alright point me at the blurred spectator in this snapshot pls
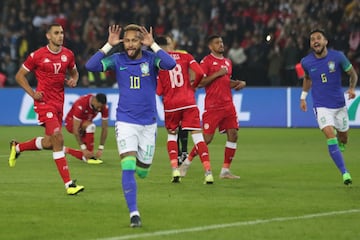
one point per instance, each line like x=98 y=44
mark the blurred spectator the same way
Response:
x=291 y=58
x=238 y=57
x=23 y=24
x=9 y=68
x=275 y=67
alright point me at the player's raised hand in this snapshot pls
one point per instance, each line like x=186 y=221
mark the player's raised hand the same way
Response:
x=148 y=38
x=114 y=35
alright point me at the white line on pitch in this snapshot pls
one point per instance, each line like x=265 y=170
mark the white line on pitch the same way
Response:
x=227 y=225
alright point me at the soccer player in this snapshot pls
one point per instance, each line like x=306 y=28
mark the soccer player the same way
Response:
x=79 y=122
x=180 y=107
x=136 y=73
x=50 y=65
x=323 y=70
x=219 y=107
x=182 y=140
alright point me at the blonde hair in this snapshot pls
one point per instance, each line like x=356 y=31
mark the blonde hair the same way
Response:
x=132 y=27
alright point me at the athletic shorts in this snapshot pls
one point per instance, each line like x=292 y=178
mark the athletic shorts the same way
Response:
x=136 y=138
x=188 y=119
x=69 y=124
x=337 y=117
x=50 y=118
x=224 y=119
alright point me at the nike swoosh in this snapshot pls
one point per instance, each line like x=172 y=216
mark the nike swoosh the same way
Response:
x=123 y=68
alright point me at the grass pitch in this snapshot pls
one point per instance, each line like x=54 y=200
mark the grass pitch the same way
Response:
x=289 y=189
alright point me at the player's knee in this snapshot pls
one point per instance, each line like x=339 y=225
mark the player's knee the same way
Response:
x=142 y=172
x=128 y=163
x=197 y=137
x=90 y=128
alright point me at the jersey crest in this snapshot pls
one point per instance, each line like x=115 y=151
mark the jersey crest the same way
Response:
x=331 y=66
x=145 y=69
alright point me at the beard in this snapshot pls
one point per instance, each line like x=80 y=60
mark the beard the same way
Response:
x=320 y=51
x=133 y=53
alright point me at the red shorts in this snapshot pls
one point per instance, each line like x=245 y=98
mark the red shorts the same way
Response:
x=223 y=118
x=69 y=124
x=188 y=119
x=50 y=118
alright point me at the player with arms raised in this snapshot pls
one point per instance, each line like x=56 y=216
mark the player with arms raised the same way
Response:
x=136 y=73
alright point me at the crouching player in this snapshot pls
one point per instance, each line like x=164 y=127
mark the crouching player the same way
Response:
x=79 y=122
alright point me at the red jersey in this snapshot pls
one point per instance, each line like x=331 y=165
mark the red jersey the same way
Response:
x=175 y=84
x=82 y=110
x=50 y=69
x=218 y=92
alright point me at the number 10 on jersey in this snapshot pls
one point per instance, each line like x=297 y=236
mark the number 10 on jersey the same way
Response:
x=134 y=82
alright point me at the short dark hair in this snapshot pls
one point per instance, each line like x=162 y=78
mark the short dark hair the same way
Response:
x=52 y=25
x=212 y=37
x=101 y=98
x=318 y=30
x=161 y=40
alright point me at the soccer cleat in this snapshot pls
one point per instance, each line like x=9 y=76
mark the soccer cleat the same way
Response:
x=347 y=178
x=209 y=179
x=228 y=175
x=94 y=161
x=176 y=176
x=13 y=154
x=74 y=189
x=135 y=221
x=342 y=146
x=183 y=169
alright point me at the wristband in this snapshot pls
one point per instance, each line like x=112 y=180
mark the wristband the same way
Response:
x=83 y=147
x=106 y=48
x=303 y=95
x=155 y=47
x=101 y=147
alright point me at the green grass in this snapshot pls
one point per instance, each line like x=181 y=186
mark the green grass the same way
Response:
x=286 y=176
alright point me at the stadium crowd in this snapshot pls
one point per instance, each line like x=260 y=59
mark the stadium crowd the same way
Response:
x=264 y=39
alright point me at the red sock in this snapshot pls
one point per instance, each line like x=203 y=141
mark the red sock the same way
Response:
x=173 y=153
x=88 y=139
x=203 y=151
x=192 y=154
x=62 y=166
x=229 y=155
x=28 y=146
x=75 y=153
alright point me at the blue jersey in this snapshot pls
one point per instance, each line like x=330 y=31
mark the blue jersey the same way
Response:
x=137 y=81
x=325 y=74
